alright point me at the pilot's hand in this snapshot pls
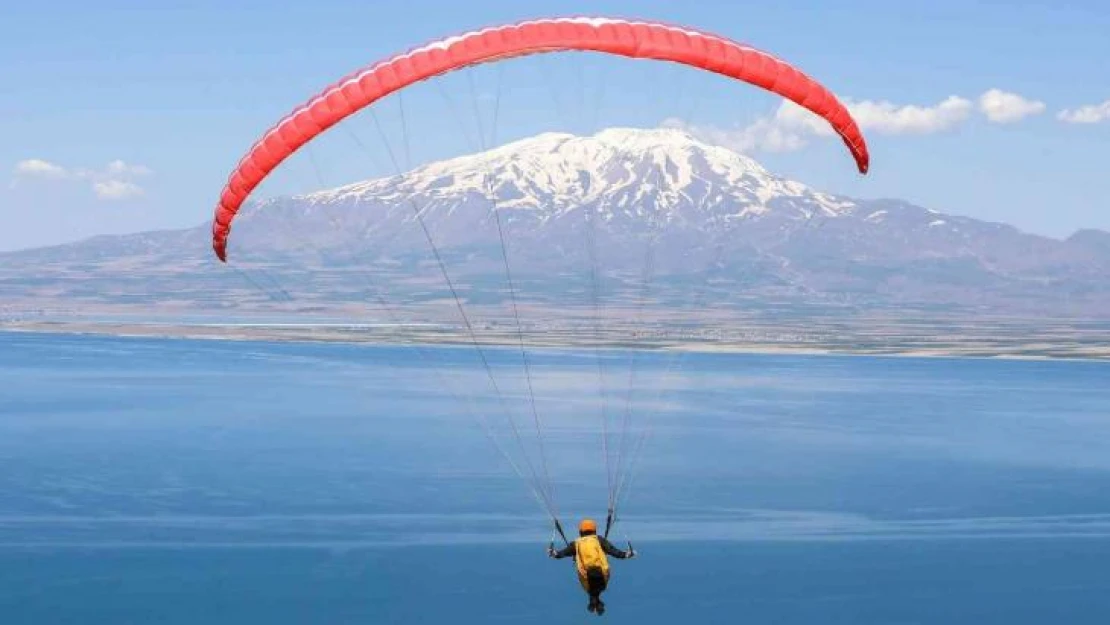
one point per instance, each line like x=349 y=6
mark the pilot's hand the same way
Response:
x=551 y=552
x=632 y=554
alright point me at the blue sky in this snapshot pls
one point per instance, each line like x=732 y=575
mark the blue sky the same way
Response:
x=120 y=116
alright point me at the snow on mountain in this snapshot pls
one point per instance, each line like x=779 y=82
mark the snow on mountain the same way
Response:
x=648 y=176
x=554 y=173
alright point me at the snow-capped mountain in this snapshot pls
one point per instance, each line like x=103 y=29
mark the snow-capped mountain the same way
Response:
x=618 y=206
x=632 y=174
x=626 y=181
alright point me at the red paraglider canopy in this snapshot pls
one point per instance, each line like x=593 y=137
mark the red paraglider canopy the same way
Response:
x=636 y=39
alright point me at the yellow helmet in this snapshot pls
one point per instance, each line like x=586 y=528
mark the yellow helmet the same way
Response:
x=587 y=526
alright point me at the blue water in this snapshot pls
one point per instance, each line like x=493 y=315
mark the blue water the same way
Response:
x=164 y=481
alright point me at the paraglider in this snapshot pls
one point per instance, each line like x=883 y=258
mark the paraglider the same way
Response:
x=590 y=562
x=628 y=38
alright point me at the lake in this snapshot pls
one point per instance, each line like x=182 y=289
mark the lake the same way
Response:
x=178 y=482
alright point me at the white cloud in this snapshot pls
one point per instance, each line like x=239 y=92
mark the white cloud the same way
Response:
x=1090 y=114
x=892 y=119
x=39 y=167
x=120 y=168
x=113 y=182
x=797 y=119
x=116 y=190
x=765 y=135
x=1002 y=107
x=791 y=127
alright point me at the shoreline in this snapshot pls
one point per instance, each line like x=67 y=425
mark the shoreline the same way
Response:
x=998 y=348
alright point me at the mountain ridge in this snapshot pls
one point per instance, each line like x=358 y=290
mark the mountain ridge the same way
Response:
x=701 y=214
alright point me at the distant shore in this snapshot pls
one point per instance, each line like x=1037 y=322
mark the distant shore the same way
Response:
x=1003 y=347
